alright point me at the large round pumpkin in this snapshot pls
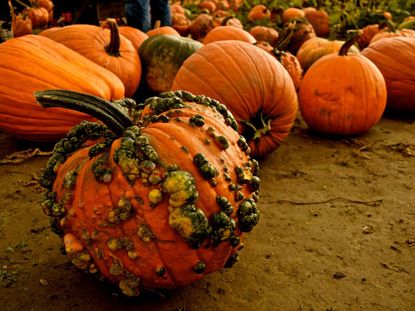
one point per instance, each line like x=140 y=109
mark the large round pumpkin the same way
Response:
x=395 y=59
x=251 y=83
x=32 y=63
x=156 y=204
x=105 y=47
x=221 y=33
x=342 y=94
x=162 y=56
x=317 y=47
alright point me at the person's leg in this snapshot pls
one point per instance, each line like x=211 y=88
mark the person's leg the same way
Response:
x=137 y=13
x=160 y=11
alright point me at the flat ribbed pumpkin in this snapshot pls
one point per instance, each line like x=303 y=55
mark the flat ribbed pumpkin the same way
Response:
x=162 y=56
x=342 y=95
x=105 y=47
x=251 y=83
x=154 y=204
x=395 y=59
x=221 y=33
x=32 y=63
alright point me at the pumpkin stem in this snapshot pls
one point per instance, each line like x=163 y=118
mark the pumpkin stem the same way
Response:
x=256 y=128
x=113 y=48
x=348 y=44
x=107 y=112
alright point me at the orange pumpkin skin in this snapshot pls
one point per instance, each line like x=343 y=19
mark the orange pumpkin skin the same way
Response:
x=228 y=33
x=31 y=63
x=315 y=48
x=21 y=25
x=104 y=47
x=291 y=13
x=181 y=24
x=124 y=208
x=201 y=26
x=251 y=83
x=176 y=8
x=262 y=33
x=133 y=34
x=319 y=19
x=39 y=16
x=368 y=32
x=163 y=30
x=395 y=59
x=409 y=33
x=342 y=95
x=293 y=67
x=259 y=12
x=299 y=31
x=210 y=6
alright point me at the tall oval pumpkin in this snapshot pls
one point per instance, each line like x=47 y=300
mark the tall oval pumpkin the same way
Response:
x=251 y=83
x=32 y=63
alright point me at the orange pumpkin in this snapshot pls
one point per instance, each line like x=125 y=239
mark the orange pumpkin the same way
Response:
x=21 y=25
x=342 y=94
x=201 y=25
x=319 y=19
x=251 y=83
x=228 y=33
x=38 y=15
x=176 y=8
x=162 y=30
x=393 y=33
x=395 y=59
x=32 y=63
x=105 y=47
x=296 y=32
x=133 y=34
x=259 y=12
x=315 y=48
x=292 y=13
x=156 y=204
x=209 y=6
x=367 y=33
x=181 y=24
x=263 y=33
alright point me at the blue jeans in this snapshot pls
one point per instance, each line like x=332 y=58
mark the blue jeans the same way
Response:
x=142 y=14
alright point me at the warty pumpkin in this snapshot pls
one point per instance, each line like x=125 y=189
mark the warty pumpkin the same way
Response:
x=105 y=47
x=162 y=56
x=395 y=59
x=221 y=33
x=342 y=94
x=31 y=63
x=251 y=83
x=155 y=203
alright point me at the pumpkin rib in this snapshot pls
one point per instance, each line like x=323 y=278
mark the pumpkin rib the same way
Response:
x=246 y=104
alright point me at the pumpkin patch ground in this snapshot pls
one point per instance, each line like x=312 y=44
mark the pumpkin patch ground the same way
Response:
x=337 y=232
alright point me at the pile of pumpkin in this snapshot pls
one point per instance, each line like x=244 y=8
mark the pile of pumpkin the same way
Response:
x=158 y=194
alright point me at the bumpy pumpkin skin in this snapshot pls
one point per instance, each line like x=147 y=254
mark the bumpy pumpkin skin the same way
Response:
x=32 y=63
x=251 y=83
x=161 y=206
x=395 y=59
x=92 y=41
x=162 y=57
x=342 y=95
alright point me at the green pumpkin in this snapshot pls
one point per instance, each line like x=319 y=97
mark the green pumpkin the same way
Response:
x=162 y=56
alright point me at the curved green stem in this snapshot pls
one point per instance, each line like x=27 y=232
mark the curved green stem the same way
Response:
x=113 y=48
x=107 y=112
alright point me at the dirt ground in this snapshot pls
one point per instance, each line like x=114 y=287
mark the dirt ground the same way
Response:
x=337 y=232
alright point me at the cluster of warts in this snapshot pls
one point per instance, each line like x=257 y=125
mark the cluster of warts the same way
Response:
x=139 y=161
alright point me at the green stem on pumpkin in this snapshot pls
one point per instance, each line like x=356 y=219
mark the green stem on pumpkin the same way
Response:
x=107 y=112
x=113 y=48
